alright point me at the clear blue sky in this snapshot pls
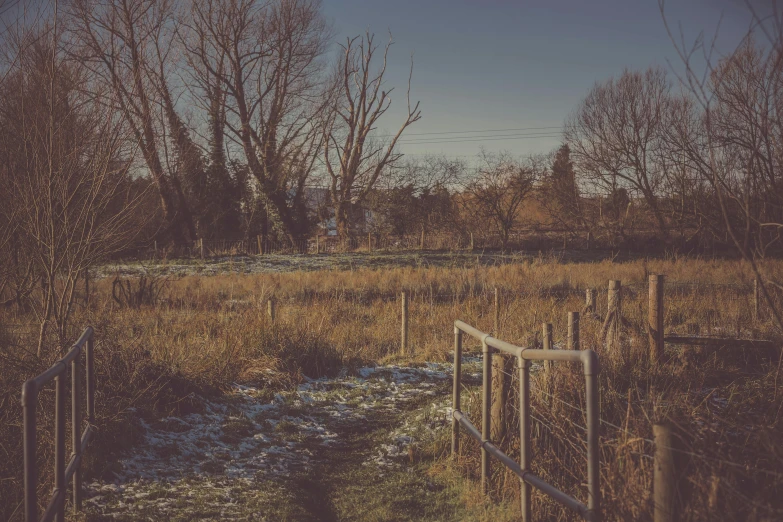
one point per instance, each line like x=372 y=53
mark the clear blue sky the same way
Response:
x=504 y=64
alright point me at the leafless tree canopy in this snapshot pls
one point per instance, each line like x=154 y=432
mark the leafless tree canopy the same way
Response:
x=354 y=158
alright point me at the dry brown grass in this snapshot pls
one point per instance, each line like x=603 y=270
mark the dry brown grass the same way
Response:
x=208 y=332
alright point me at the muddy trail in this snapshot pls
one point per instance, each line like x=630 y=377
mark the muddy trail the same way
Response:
x=356 y=447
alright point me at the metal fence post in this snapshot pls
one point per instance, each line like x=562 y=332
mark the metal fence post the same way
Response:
x=456 y=395
x=404 y=332
x=664 y=476
x=591 y=371
x=76 y=423
x=573 y=330
x=655 y=318
x=485 y=413
x=524 y=434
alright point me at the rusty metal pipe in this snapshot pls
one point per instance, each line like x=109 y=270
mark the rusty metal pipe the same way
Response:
x=524 y=433
x=486 y=406
x=456 y=393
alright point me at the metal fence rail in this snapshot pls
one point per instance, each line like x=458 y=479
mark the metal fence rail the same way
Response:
x=62 y=473
x=490 y=345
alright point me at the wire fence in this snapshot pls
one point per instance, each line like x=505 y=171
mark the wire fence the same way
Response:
x=716 y=307
x=534 y=239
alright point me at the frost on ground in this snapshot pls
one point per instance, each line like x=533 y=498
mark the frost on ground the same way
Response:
x=226 y=461
x=246 y=264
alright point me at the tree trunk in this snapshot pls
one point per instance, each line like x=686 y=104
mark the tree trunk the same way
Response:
x=342 y=219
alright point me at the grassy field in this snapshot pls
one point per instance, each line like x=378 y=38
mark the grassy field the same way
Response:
x=198 y=361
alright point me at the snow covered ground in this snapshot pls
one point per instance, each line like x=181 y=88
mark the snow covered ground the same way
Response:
x=213 y=464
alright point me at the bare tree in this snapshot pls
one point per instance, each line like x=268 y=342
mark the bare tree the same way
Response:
x=617 y=137
x=734 y=144
x=417 y=196
x=66 y=170
x=496 y=194
x=354 y=159
x=266 y=58
x=121 y=42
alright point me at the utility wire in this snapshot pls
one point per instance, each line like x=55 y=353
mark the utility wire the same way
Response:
x=521 y=137
x=473 y=131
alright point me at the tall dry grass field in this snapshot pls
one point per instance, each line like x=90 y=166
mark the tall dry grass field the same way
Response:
x=202 y=334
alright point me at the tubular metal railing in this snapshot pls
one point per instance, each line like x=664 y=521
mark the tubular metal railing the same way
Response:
x=490 y=345
x=62 y=473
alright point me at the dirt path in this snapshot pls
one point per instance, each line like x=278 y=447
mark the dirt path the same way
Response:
x=350 y=448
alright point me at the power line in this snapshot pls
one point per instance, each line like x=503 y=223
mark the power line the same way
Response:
x=520 y=137
x=476 y=136
x=472 y=131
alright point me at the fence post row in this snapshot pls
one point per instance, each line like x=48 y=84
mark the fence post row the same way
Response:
x=55 y=509
x=489 y=346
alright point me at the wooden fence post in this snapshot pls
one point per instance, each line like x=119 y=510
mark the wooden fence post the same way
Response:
x=497 y=313
x=500 y=381
x=655 y=319
x=590 y=301
x=86 y=287
x=317 y=244
x=270 y=309
x=665 y=498
x=471 y=241
x=756 y=300
x=614 y=315
x=547 y=334
x=421 y=243
x=404 y=341
x=573 y=330
x=369 y=241
x=201 y=247
x=259 y=245
x=155 y=245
